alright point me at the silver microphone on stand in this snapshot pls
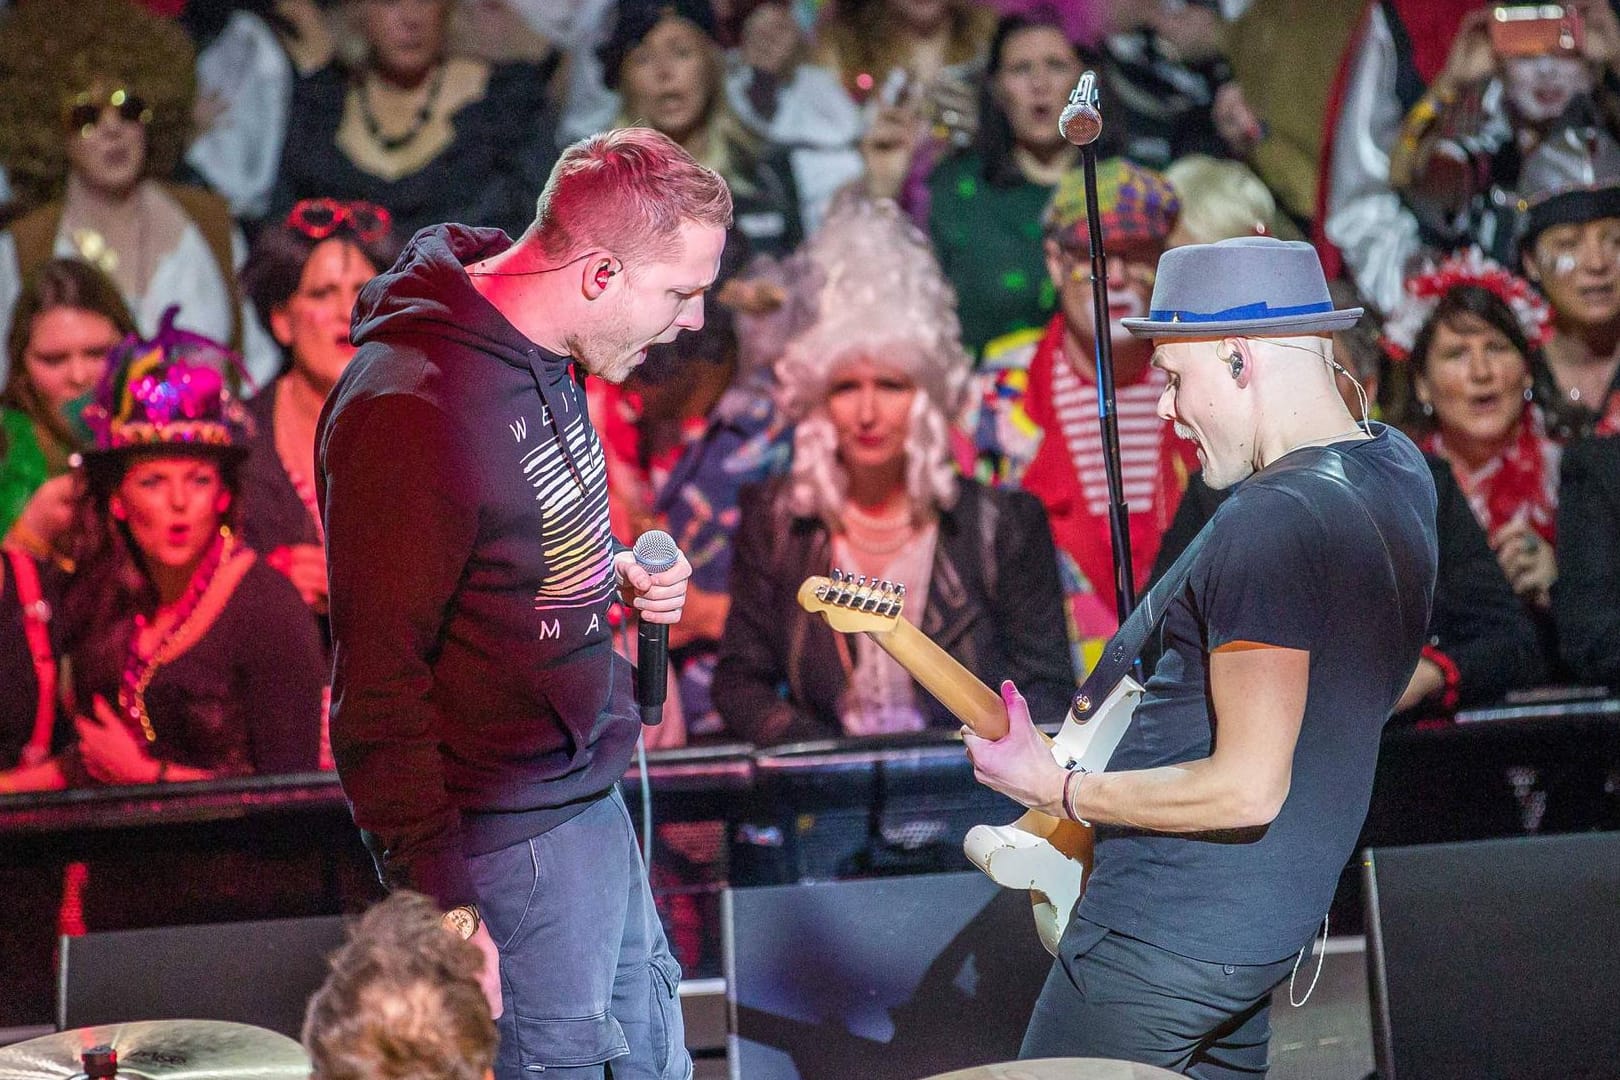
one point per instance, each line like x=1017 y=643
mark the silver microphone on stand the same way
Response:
x=1080 y=122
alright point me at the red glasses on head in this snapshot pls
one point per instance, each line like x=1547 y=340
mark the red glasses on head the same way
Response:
x=321 y=218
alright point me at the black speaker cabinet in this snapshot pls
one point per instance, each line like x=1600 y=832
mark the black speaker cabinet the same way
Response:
x=259 y=973
x=1496 y=958
x=895 y=977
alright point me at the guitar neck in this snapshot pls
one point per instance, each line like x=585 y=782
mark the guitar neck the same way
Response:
x=957 y=688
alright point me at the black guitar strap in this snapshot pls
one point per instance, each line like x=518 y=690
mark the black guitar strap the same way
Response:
x=1126 y=644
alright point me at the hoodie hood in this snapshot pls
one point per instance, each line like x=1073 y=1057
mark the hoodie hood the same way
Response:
x=427 y=294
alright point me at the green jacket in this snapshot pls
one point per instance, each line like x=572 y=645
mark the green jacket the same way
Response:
x=22 y=466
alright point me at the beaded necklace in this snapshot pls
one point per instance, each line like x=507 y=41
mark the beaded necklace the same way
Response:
x=391 y=143
x=139 y=670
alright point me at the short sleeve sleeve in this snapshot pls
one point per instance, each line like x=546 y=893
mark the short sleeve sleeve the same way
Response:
x=1260 y=579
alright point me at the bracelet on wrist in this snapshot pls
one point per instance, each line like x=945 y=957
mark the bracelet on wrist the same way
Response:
x=1071 y=789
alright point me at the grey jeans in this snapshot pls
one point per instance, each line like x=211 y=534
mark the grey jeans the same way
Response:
x=587 y=977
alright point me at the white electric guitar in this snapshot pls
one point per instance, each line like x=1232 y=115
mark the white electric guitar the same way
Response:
x=1048 y=856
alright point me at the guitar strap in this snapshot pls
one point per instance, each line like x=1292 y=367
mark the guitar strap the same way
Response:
x=1126 y=644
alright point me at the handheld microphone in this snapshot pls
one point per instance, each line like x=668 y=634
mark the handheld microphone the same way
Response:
x=1080 y=122
x=655 y=552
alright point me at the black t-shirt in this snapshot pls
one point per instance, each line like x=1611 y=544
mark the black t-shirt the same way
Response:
x=1343 y=568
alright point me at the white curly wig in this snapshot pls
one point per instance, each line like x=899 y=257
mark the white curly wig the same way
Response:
x=869 y=288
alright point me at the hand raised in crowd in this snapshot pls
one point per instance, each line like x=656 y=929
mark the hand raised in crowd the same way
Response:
x=888 y=146
x=1235 y=121
x=1472 y=58
x=1530 y=563
x=771 y=40
x=109 y=749
x=305 y=566
x=954 y=104
x=48 y=515
x=1601 y=45
x=656 y=597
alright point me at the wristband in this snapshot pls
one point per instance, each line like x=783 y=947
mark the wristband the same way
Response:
x=1071 y=787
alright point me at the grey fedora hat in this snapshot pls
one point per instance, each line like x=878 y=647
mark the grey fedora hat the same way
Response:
x=1257 y=286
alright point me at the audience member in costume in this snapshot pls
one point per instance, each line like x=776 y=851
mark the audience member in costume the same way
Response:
x=872 y=381
x=1032 y=413
x=68 y=317
x=1472 y=334
x=430 y=135
x=28 y=596
x=1571 y=250
x=95 y=105
x=983 y=204
x=1458 y=158
x=402 y=1001
x=192 y=659
x=1398 y=50
x=670 y=74
x=1586 y=596
x=304 y=275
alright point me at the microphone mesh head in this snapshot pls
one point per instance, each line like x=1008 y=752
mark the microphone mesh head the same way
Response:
x=655 y=550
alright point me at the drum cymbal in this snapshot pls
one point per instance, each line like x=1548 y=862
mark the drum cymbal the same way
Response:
x=163 y=1048
x=1060 y=1069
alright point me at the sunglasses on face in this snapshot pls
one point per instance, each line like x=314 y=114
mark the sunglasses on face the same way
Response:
x=85 y=110
x=321 y=218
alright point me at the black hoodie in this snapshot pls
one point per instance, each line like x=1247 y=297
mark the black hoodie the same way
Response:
x=476 y=697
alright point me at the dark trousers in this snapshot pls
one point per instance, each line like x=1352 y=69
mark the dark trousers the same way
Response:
x=588 y=980
x=1111 y=996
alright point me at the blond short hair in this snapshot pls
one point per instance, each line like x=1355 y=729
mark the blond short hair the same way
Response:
x=627 y=191
x=1220 y=200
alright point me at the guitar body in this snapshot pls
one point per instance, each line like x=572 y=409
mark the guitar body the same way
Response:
x=1045 y=855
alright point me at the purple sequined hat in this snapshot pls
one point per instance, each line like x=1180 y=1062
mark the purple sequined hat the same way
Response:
x=166 y=394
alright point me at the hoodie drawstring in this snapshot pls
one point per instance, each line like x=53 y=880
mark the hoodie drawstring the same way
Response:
x=554 y=404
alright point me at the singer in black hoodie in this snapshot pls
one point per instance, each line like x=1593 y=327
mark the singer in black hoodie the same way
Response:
x=480 y=717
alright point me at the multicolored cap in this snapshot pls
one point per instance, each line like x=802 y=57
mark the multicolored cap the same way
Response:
x=166 y=392
x=1133 y=203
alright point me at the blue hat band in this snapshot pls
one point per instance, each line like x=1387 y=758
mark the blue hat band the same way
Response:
x=1259 y=310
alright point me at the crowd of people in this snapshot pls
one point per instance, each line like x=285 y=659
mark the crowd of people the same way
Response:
x=896 y=372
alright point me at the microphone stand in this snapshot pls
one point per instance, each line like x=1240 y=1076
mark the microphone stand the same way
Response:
x=1084 y=102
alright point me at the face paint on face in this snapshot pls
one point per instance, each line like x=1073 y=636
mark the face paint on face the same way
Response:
x=1540 y=88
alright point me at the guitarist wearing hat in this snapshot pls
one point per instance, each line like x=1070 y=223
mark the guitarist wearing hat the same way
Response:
x=1235 y=797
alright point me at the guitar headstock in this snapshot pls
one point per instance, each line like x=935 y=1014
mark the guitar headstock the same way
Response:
x=853 y=605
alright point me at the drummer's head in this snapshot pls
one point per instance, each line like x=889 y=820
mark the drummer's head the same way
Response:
x=1137 y=209
x=403 y=1001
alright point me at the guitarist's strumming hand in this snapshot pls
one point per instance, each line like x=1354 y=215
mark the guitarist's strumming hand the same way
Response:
x=1019 y=764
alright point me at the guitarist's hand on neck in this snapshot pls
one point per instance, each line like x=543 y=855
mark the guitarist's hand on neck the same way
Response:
x=1019 y=764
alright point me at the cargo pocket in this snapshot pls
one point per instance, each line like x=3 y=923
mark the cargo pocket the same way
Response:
x=668 y=1035
x=569 y=1043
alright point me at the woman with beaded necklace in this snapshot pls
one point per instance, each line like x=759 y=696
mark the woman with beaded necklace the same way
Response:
x=191 y=658
x=872 y=381
x=430 y=134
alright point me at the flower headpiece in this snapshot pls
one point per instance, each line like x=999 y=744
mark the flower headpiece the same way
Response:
x=166 y=392
x=1424 y=291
